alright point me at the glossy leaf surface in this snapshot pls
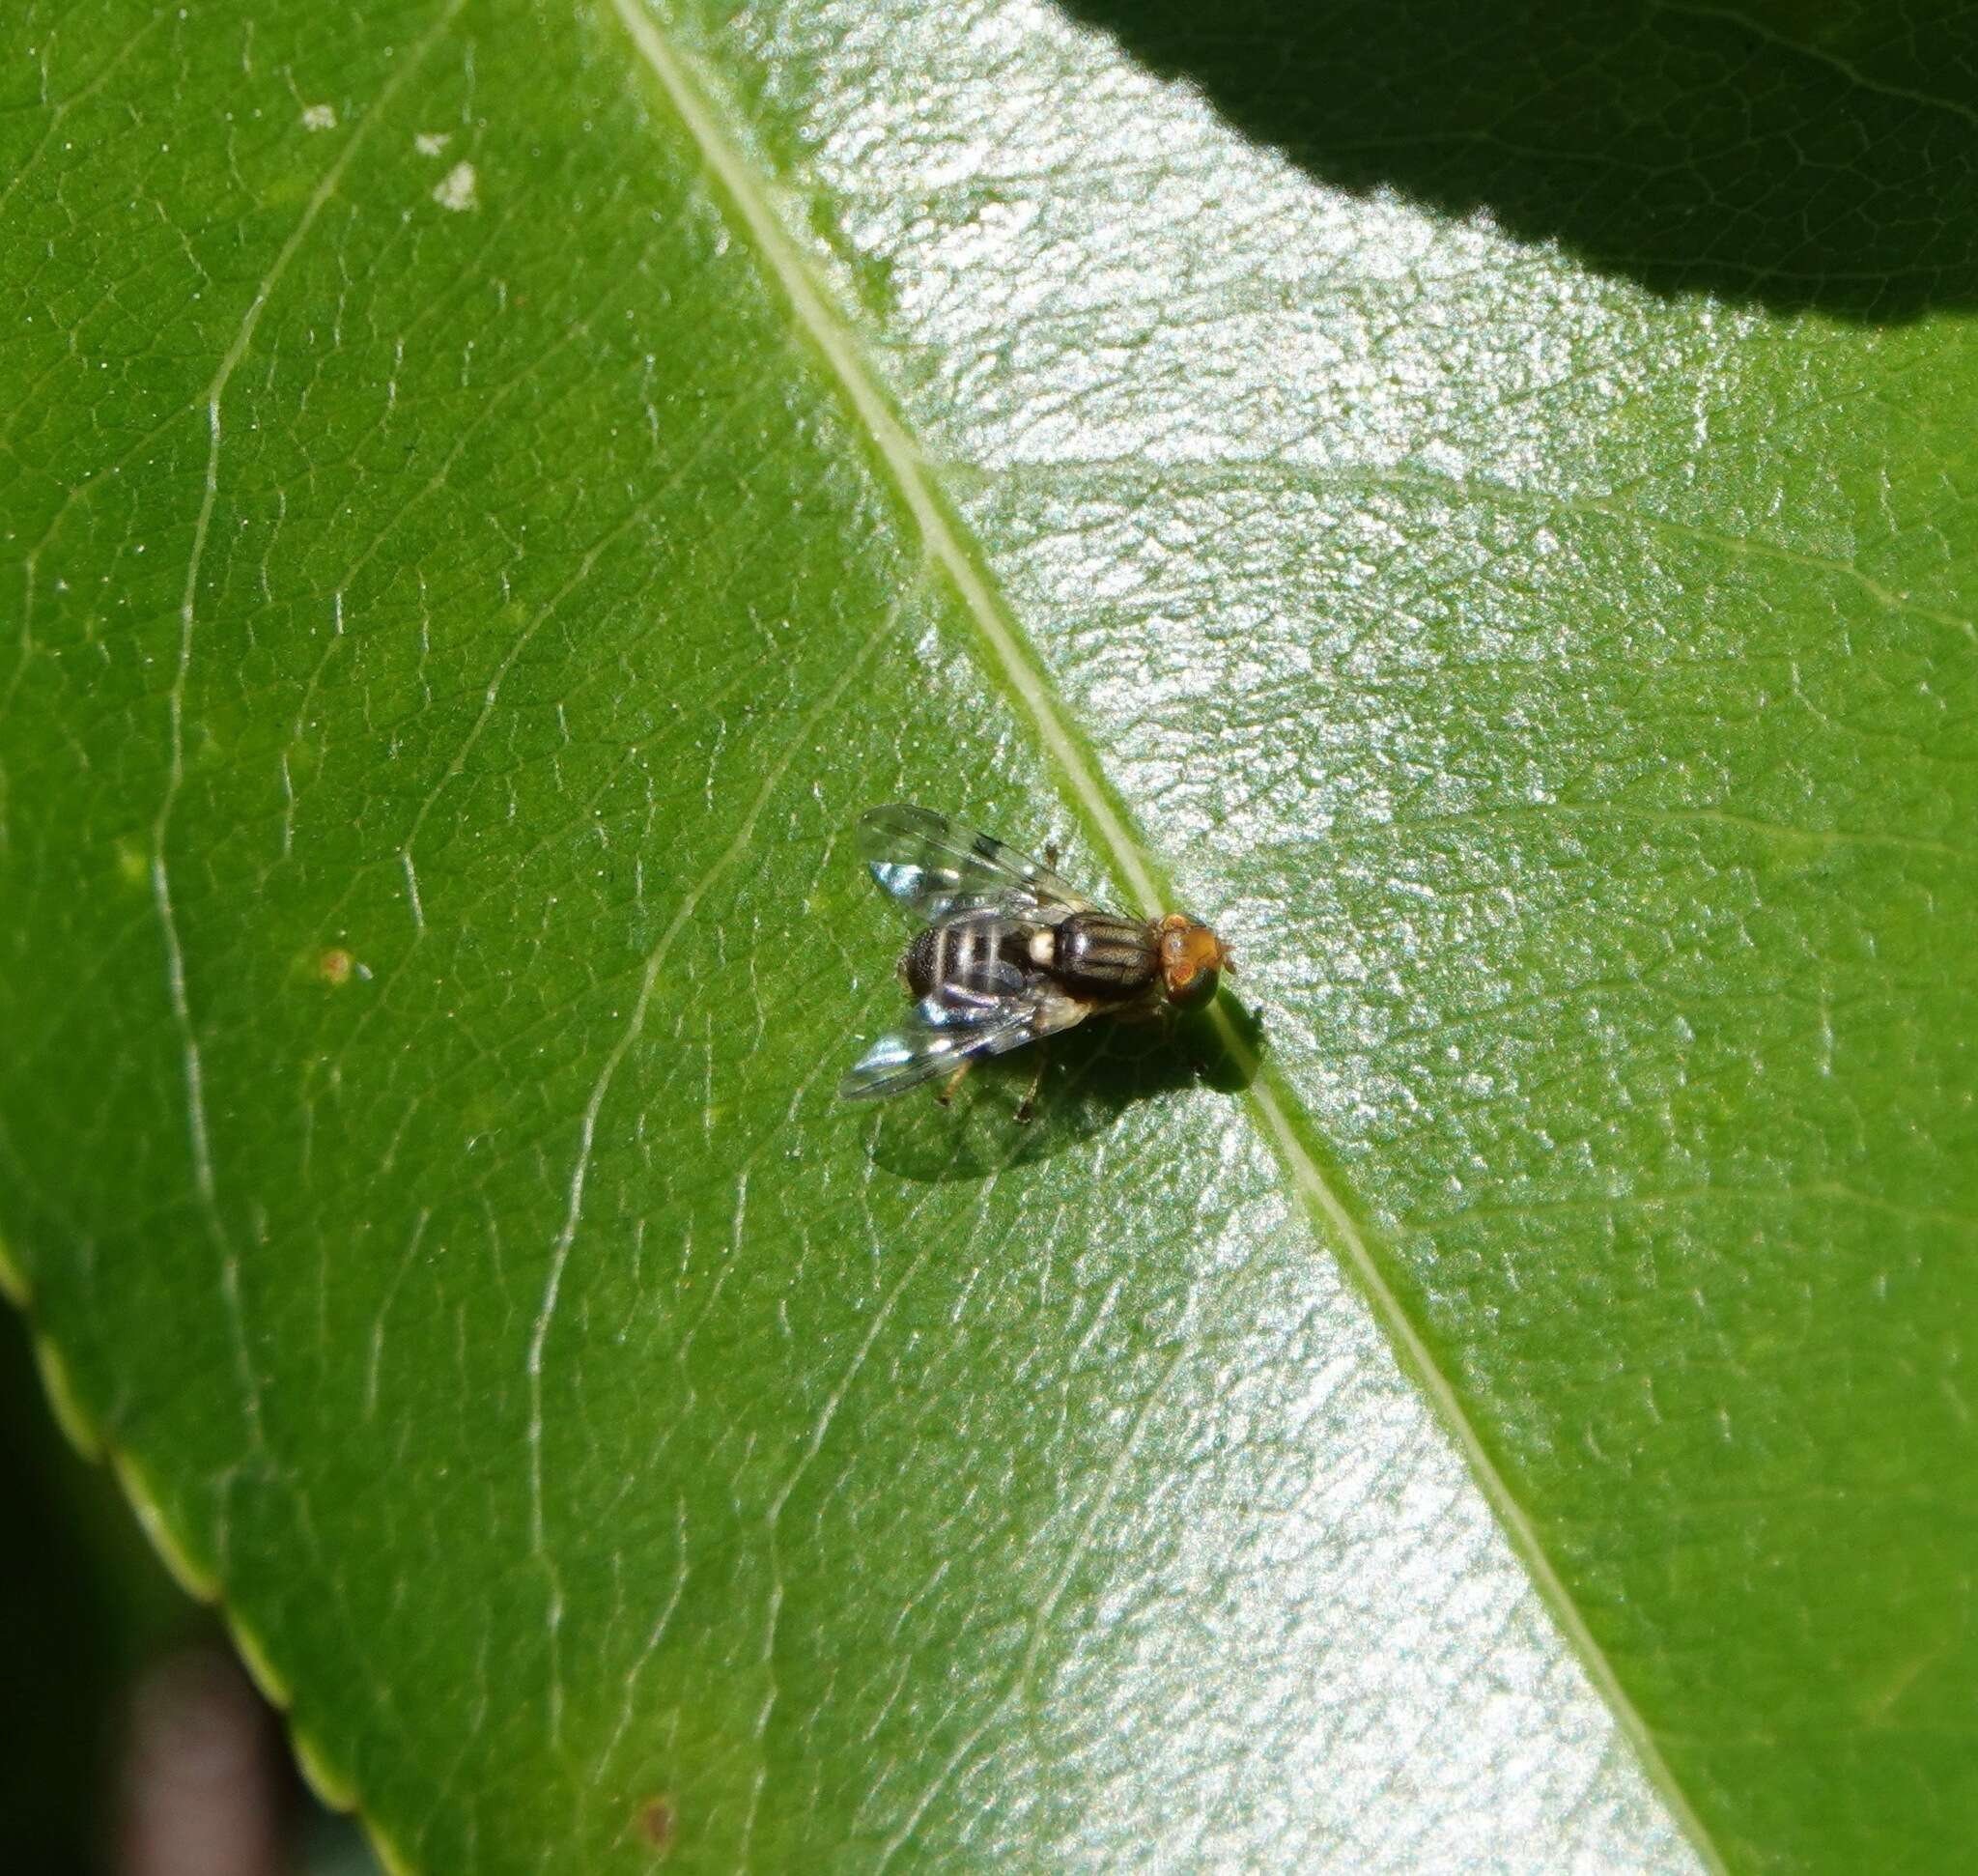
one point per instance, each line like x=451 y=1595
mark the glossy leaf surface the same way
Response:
x=492 y=493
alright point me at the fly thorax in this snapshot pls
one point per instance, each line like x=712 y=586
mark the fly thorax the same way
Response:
x=1103 y=955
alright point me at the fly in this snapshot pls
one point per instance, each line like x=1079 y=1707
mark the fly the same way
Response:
x=1010 y=953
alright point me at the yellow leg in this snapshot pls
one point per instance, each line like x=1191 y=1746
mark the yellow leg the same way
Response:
x=945 y=1091
x=1027 y=1106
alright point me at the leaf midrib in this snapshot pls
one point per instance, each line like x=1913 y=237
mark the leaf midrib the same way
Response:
x=1274 y=1104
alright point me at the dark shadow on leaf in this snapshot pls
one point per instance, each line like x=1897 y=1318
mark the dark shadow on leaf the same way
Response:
x=1093 y=1074
x=1794 y=156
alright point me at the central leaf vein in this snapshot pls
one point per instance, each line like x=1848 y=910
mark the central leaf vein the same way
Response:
x=1275 y=1105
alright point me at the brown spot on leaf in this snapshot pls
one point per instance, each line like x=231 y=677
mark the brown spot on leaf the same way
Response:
x=656 y=1822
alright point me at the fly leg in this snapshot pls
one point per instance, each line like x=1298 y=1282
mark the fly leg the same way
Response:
x=1027 y=1108
x=945 y=1091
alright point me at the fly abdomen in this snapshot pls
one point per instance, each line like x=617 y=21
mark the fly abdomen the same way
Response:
x=977 y=957
x=1100 y=954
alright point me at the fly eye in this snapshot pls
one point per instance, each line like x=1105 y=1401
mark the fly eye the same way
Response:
x=1195 y=984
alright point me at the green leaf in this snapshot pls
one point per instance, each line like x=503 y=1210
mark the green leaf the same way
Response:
x=1476 y=505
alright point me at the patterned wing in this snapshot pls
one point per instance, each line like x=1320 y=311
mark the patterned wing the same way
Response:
x=937 y=867
x=940 y=1035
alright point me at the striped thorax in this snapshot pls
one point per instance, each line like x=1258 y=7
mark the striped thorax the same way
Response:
x=1100 y=954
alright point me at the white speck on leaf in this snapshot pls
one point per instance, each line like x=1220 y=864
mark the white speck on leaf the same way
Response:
x=458 y=189
x=432 y=143
x=318 y=117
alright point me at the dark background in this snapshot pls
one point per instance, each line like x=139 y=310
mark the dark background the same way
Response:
x=1797 y=154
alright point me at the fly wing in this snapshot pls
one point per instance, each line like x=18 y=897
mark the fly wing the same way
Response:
x=937 y=867
x=940 y=1037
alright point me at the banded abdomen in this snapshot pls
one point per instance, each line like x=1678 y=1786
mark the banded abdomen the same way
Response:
x=974 y=958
